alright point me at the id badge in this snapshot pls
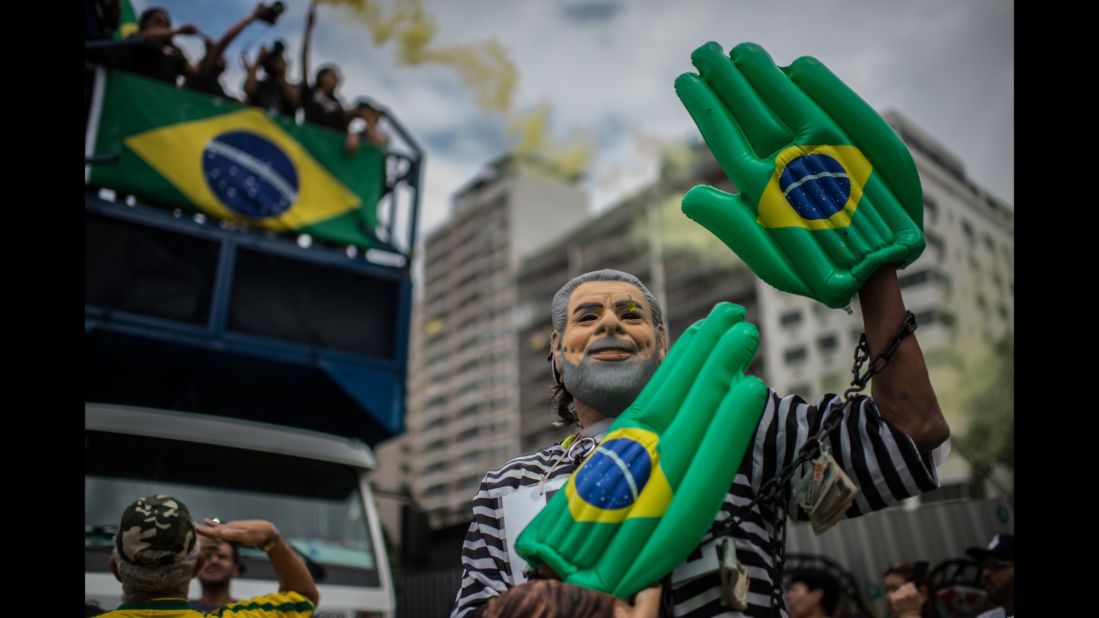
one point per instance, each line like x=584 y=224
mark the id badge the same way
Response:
x=519 y=509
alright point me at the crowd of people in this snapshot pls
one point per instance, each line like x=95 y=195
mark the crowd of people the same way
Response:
x=159 y=549
x=152 y=52
x=910 y=591
x=809 y=593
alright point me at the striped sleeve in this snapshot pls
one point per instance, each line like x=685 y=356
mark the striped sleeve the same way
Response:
x=880 y=459
x=485 y=569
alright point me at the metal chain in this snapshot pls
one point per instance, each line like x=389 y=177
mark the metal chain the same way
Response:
x=771 y=491
x=778 y=554
x=862 y=353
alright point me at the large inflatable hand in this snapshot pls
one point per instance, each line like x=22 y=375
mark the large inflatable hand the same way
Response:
x=638 y=506
x=828 y=192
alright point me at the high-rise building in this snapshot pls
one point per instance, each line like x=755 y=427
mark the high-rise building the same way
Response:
x=463 y=380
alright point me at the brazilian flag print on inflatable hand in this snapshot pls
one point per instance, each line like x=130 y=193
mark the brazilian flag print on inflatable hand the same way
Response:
x=640 y=503
x=828 y=192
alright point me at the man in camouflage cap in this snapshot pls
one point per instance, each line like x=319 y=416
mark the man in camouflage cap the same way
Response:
x=155 y=531
x=156 y=555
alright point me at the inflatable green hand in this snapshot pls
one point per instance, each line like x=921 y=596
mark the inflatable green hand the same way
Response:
x=828 y=192
x=638 y=505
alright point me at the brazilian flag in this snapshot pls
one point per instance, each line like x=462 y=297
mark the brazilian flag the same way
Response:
x=180 y=148
x=127 y=20
x=638 y=505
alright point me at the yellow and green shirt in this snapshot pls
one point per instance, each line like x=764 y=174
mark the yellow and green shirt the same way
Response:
x=278 y=605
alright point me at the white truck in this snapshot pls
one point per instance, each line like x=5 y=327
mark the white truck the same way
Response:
x=313 y=486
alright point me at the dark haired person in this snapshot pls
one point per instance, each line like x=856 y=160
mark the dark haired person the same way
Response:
x=207 y=74
x=813 y=594
x=274 y=93
x=222 y=566
x=158 y=57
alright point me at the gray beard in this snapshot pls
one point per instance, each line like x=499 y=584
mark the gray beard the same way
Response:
x=609 y=388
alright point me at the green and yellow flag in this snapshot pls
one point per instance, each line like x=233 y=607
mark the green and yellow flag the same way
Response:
x=127 y=20
x=180 y=148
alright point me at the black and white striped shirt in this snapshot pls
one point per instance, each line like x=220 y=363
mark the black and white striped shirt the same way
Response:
x=879 y=458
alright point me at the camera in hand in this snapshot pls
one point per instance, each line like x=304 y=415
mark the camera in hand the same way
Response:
x=270 y=13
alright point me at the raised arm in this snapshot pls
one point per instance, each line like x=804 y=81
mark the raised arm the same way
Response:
x=310 y=19
x=217 y=48
x=293 y=575
x=251 y=84
x=902 y=390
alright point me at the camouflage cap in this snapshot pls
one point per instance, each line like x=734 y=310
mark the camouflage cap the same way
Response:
x=155 y=531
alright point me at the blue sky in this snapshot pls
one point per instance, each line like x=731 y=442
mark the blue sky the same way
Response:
x=606 y=69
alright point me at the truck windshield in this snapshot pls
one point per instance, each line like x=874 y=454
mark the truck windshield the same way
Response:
x=316 y=505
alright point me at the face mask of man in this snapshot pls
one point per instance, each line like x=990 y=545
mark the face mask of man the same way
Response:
x=609 y=387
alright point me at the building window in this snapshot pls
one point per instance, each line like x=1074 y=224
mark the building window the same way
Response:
x=934 y=316
x=796 y=355
x=1004 y=313
x=931 y=208
x=967 y=229
x=468 y=482
x=920 y=277
x=989 y=242
x=799 y=389
x=790 y=318
x=828 y=343
x=908 y=280
x=833 y=383
x=936 y=242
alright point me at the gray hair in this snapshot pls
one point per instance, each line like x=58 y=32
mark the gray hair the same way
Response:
x=142 y=582
x=560 y=306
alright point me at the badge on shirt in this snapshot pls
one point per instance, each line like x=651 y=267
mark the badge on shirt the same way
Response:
x=519 y=508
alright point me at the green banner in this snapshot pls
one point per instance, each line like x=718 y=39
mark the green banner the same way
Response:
x=179 y=148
